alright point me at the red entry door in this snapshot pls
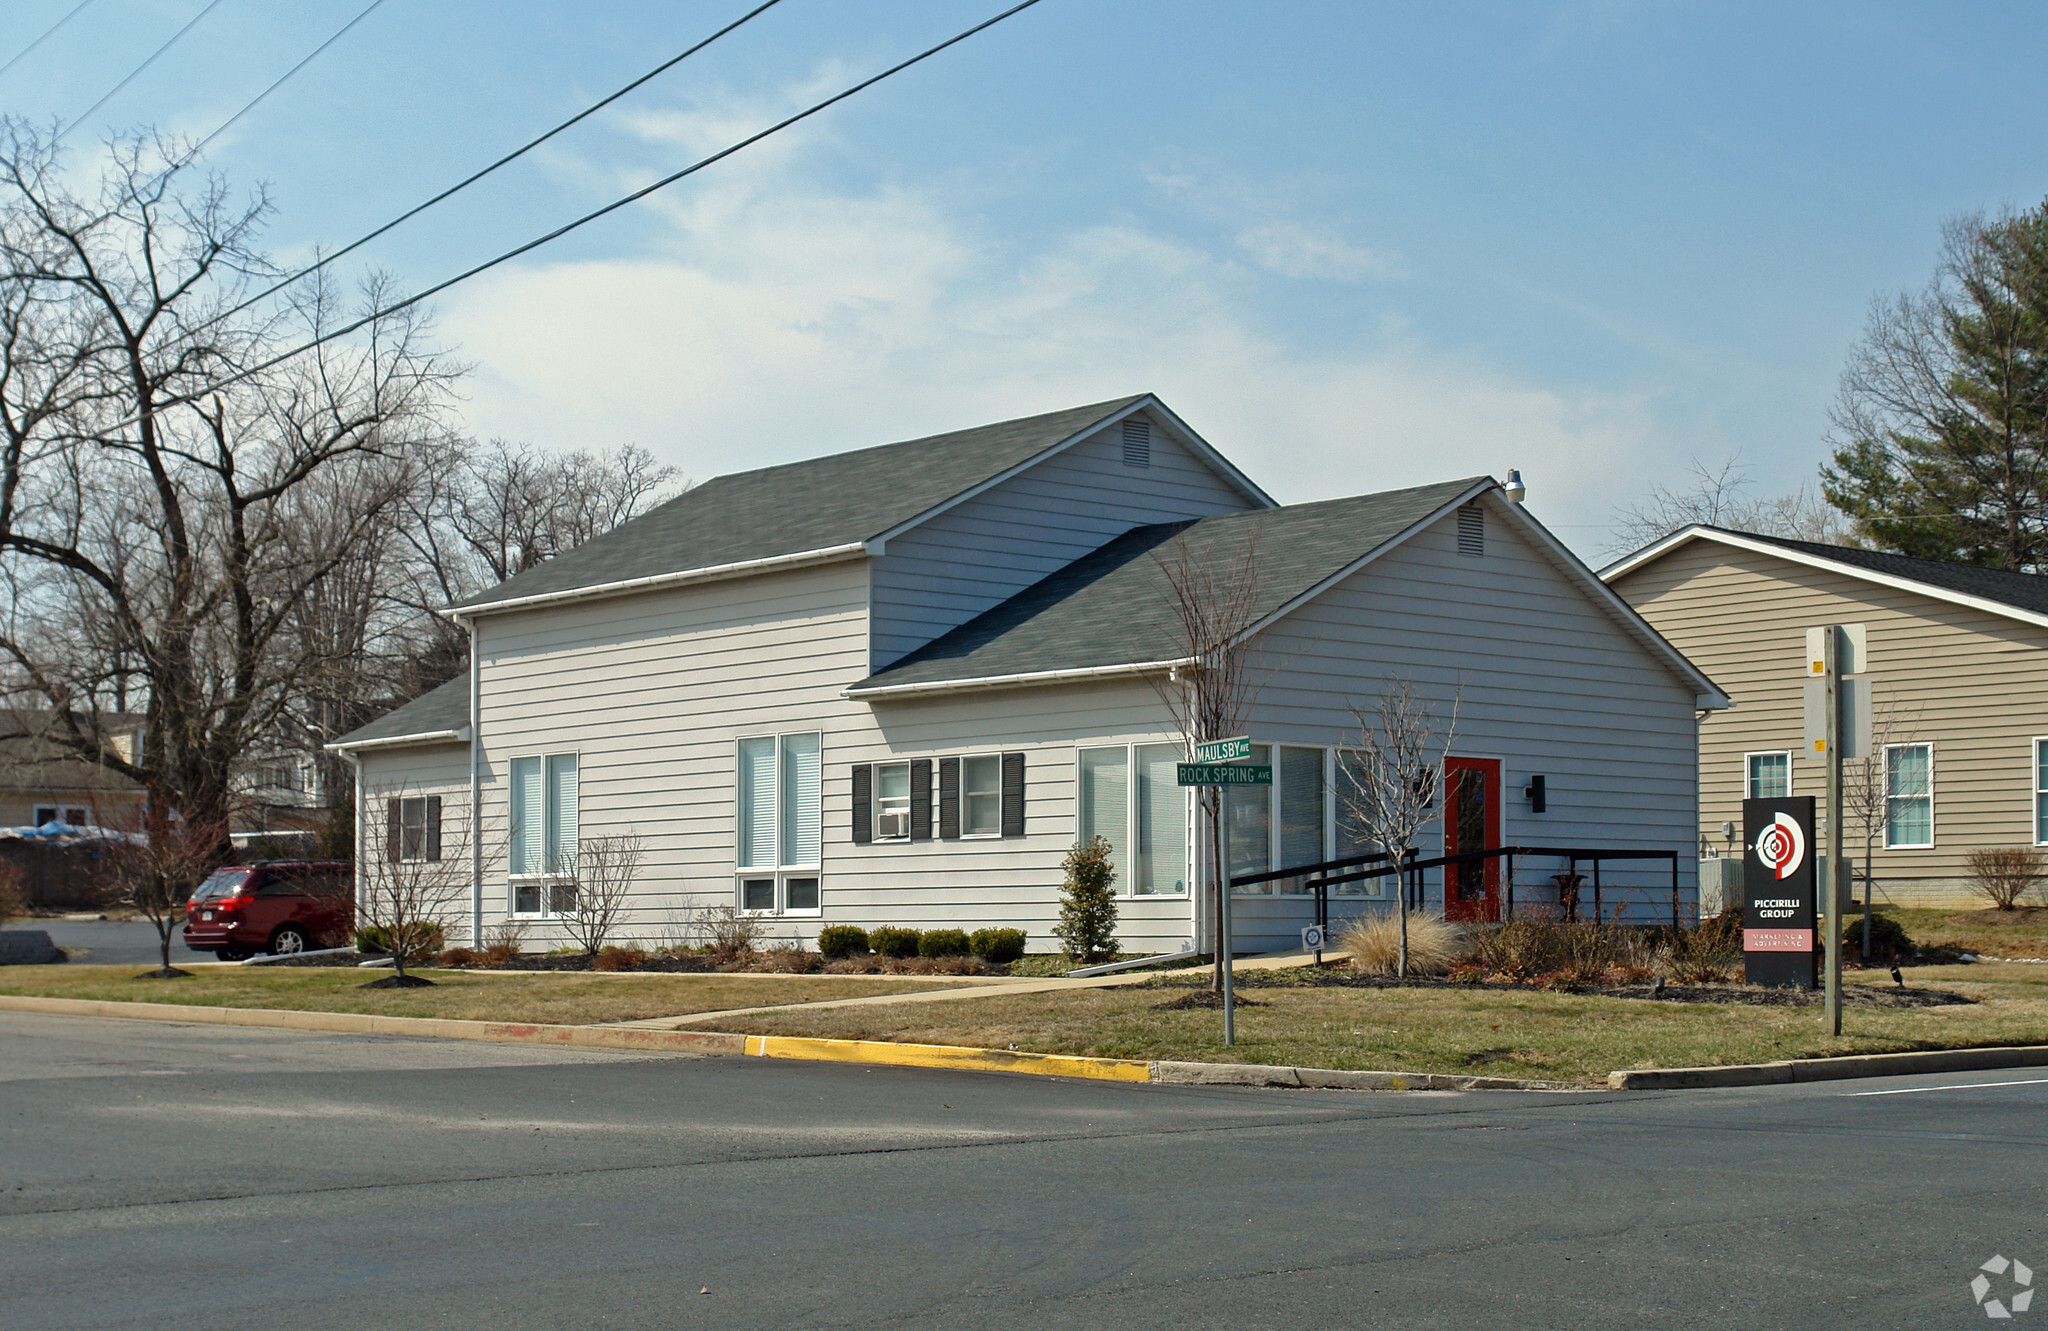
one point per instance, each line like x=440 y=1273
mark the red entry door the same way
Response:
x=1472 y=822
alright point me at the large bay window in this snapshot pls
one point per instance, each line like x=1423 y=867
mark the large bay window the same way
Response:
x=779 y=824
x=544 y=833
x=1129 y=796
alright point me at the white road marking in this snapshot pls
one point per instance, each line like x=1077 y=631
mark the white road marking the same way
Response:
x=1971 y=1086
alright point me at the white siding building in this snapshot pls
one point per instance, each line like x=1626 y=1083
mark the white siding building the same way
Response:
x=895 y=686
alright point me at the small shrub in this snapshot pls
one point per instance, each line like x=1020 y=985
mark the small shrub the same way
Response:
x=2004 y=874
x=787 y=958
x=998 y=947
x=499 y=955
x=505 y=934
x=730 y=932
x=617 y=958
x=841 y=940
x=1087 y=904
x=1374 y=942
x=1887 y=938
x=892 y=942
x=942 y=943
x=460 y=958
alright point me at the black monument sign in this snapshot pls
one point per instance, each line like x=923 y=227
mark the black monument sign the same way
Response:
x=1777 y=892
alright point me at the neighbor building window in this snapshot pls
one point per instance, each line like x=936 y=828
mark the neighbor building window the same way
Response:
x=1909 y=796
x=71 y=815
x=981 y=795
x=2041 y=792
x=1770 y=775
x=545 y=833
x=779 y=822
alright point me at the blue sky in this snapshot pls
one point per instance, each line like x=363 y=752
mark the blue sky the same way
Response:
x=1356 y=246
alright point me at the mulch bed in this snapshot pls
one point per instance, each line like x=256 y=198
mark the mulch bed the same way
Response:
x=1204 y=998
x=1853 y=995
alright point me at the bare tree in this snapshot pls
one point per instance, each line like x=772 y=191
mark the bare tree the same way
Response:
x=1718 y=497
x=1390 y=776
x=604 y=872
x=1865 y=796
x=157 y=866
x=412 y=884
x=158 y=461
x=1213 y=597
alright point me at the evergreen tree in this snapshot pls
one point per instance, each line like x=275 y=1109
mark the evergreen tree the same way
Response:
x=1941 y=429
x=1087 y=905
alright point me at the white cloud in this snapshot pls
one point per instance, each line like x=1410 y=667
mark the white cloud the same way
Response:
x=776 y=321
x=1293 y=250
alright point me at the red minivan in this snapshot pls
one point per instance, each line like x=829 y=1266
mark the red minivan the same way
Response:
x=277 y=906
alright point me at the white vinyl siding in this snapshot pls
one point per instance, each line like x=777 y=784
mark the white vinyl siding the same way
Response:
x=956 y=564
x=1908 y=796
x=1768 y=776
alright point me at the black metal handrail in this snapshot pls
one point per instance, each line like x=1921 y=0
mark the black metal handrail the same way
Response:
x=1321 y=879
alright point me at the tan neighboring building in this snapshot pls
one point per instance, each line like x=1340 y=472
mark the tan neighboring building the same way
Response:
x=1958 y=659
x=41 y=782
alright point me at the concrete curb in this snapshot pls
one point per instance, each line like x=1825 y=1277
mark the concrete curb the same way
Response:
x=946 y=1056
x=1831 y=1069
x=1333 y=1079
x=357 y=1023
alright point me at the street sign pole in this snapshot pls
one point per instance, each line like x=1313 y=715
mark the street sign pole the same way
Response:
x=1223 y=917
x=1212 y=770
x=1832 y=657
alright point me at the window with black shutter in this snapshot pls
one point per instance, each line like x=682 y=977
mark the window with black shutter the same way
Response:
x=949 y=799
x=921 y=800
x=1013 y=794
x=863 y=804
x=433 y=846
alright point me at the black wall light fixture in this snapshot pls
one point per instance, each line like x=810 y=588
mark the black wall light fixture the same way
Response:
x=1535 y=794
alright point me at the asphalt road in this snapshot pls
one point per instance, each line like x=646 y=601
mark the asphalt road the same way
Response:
x=183 y=1176
x=113 y=942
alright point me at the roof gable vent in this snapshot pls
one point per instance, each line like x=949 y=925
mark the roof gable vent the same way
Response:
x=1137 y=443
x=1472 y=531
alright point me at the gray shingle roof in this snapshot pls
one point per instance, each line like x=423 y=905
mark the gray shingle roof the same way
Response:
x=1114 y=606
x=436 y=710
x=799 y=506
x=2022 y=591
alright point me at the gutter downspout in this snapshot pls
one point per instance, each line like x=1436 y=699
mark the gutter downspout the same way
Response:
x=476 y=738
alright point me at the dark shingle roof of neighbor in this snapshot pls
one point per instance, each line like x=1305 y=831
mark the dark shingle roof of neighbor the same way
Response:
x=436 y=710
x=799 y=506
x=1115 y=605
x=2023 y=591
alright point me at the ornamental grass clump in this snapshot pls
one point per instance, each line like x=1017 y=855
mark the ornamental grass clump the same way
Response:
x=1374 y=942
x=1087 y=905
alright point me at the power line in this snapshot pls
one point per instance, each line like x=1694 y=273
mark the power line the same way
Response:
x=461 y=185
x=563 y=230
x=23 y=54
x=223 y=126
x=134 y=73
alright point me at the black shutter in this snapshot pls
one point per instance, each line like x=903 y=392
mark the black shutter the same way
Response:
x=921 y=800
x=394 y=832
x=434 y=827
x=1013 y=794
x=949 y=799
x=863 y=804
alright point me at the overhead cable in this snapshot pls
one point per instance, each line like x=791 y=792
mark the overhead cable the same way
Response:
x=135 y=72
x=48 y=33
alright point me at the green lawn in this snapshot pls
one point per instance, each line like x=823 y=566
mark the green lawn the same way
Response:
x=2014 y=933
x=1517 y=1033
x=573 y=998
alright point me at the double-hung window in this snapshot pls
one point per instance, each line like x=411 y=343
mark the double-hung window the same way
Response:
x=2040 y=768
x=981 y=795
x=1768 y=776
x=413 y=829
x=779 y=824
x=1130 y=795
x=544 y=833
x=1908 y=796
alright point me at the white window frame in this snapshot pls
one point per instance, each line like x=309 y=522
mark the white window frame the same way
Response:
x=1885 y=775
x=781 y=874
x=875 y=804
x=1279 y=887
x=553 y=902
x=2037 y=781
x=405 y=830
x=1127 y=883
x=1791 y=769
x=997 y=759
x=61 y=813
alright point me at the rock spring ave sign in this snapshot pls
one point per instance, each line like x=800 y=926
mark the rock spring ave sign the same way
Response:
x=1223 y=774
x=1223 y=750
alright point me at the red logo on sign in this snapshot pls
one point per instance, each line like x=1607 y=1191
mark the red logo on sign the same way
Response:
x=1781 y=846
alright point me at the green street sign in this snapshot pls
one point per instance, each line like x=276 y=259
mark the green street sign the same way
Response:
x=1222 y=774
x=1223 y=750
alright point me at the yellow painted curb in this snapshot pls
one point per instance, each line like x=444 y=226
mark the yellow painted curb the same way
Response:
x=361 y=1023
x=947 y=1056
